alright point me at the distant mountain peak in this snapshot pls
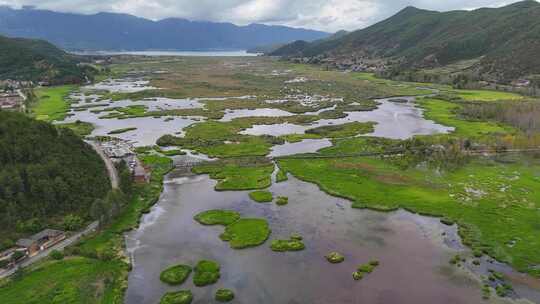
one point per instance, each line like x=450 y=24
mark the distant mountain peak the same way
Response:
x=114 y=31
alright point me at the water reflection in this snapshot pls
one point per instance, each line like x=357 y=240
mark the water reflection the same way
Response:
x=411 y=249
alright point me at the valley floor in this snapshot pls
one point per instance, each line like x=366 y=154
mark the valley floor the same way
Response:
x=255 y=122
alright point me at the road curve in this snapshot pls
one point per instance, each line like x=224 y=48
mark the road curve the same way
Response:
x=111 y=169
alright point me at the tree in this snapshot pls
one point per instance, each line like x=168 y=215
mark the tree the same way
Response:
x=72 y=222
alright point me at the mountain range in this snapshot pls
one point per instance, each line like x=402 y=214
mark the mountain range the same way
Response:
x=505 y=41
x=110 y=31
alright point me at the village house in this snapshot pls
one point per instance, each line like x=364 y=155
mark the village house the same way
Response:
x=41 y=241
x=141 y=175
x=11 y=102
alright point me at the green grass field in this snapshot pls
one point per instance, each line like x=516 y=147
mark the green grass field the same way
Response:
x=74 y=280
x=51 y=103
x=486 y=95
x=444 y=112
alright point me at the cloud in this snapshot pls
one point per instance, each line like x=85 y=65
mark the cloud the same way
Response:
x=328 y=15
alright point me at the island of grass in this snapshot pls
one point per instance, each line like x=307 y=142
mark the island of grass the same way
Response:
x=175 y=275
x=207 y=272
x=239 y=232
x=281 y=176
x=224 y=295
x=80 y=128
x=217 y=217
x=248 y=173
x=282 y=200
x=177 y=297
x=344 y=130
x=248 y=232
x=365 y=269
x=261 y=196
x=120 y=131
x=335 y=257
x=294 y=243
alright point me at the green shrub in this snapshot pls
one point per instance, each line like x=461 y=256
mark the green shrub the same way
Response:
x=206 y=273
x=335 y=257
x=224 y=295
x=217 y=217
x=261 y=196
x=366 y=268
x=178 y=297
x=175 y=275
x=358 y=275
x=57 y=255
x=246 y=233
x=293 y=244
x=282 y=200
x=72 y=222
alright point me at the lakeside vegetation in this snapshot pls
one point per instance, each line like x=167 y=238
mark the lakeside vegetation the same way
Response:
x=489 y=218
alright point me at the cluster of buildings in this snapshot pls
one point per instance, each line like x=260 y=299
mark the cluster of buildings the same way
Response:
x=118 y=150
x=31 y=246
x=12 y=101
x=11 y=96
x=352 y=63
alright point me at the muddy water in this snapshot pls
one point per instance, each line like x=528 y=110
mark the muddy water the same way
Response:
x=412 y=251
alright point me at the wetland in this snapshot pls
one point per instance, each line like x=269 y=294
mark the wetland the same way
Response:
x=296 y=139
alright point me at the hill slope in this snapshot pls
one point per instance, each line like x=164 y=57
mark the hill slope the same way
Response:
x=46 y=174
x=107 y=31
x=37 y=60
x=506 y=38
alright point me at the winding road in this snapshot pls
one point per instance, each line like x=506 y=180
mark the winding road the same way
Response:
x=111 y=169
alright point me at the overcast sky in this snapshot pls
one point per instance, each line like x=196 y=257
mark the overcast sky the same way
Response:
x=327 y=15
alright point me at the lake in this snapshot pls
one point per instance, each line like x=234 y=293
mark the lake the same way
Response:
x=241 y=53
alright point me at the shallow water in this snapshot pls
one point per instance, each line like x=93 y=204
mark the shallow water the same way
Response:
x=305 y=146
x=149 y=129
x=394 y=120
x=408 y=246
x=176 y=53
x=122 y=85
x=232 y=114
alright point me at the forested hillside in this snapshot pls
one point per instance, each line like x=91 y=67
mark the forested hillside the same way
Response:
x=38 y=60
x=505 y=40
x=45 y=174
